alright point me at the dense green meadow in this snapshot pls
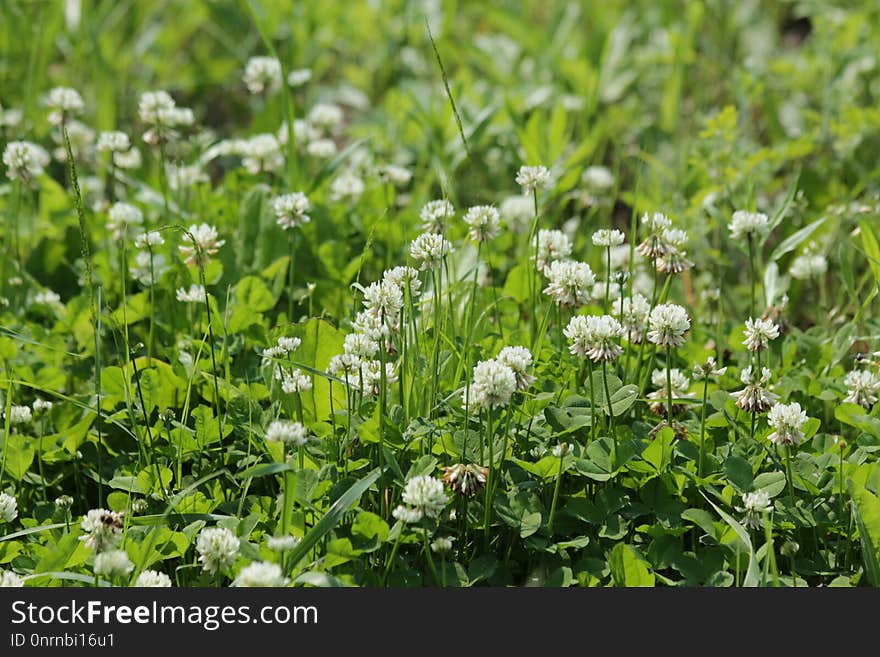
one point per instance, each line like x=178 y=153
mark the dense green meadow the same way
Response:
x=423 y=293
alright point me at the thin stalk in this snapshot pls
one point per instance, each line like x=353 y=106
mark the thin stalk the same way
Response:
x=592 y=400
x=703 y=426
x=610 y=411
x=669 y=385
x=555 y=496
x=40 y=458
x=487 y=512
x=152 y=307
x=291 y=240
x=752 y=275
x=533 y=278
x=607 y=279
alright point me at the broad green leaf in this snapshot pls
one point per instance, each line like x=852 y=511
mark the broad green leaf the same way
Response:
x=866 y=511
x=751 y=578
x=628 y=568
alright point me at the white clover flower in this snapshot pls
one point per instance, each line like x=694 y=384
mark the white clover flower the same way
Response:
x=203 y=242
x=287 y=432
x=369 y=376
x=342 y=366
x=493 y=384
x=217 y=547
x=606 y=237
x=325 y=115
x=347 y=185
x=429 y=249
x=20 y=414
x=103 y=529
x=63 y=102
x=372 y=326
x=862 y=388
x=113 y=563
x=403 y=276
x=660 y=397
x=291 y=210
x=465 y=479
x=435 y=215
x=519 y=359
x=656 y=223
x=395 y=174
x=425 y=494
x=620 y=257
x=407 y=515
x=754 y=398
x=748 y=224
x=289 y=344
x=597 y=338
x=654 y=244
x=483 y=221
x=597 y=178
x=9 y=579
x=532 y=178
x=47 y=298
x=261 y=574
x=668 y=323
x=184 y=176
x=755 y=505
x=570 y=282
x=147 y=267
x=298 y=77
x=8 y=507
x=122 y=217
x=24 y=161
x=560 y=450
x=808 y=265
x=517 y=211
x=361 y=345
x=383 y=299
x=262 y=75
x=262 y=153
x=81 y=138
x=42 y=406
x=442 y=544
x=10 y=118
x=149 y=239
x=114 y=141
x=153 y=105
x=322 y=149
x=759 y=332
x=282 y=543
x=635 y=317
x=787 y=419
x=195 y=294
x=152 y=579
x=708 y=369
x=599 y=288
x=552 y=245
x=131 y=159
x=296 y=382
x=670 y=256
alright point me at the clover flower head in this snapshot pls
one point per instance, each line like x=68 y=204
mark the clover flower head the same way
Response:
x=759 y=332
x=748 y=224
x=435 y=215
x=483 y=221
x=262 y=75
x=217 y=547
x=492 y=386
x=787 y=419
x=668 y=323
x=532 y=178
